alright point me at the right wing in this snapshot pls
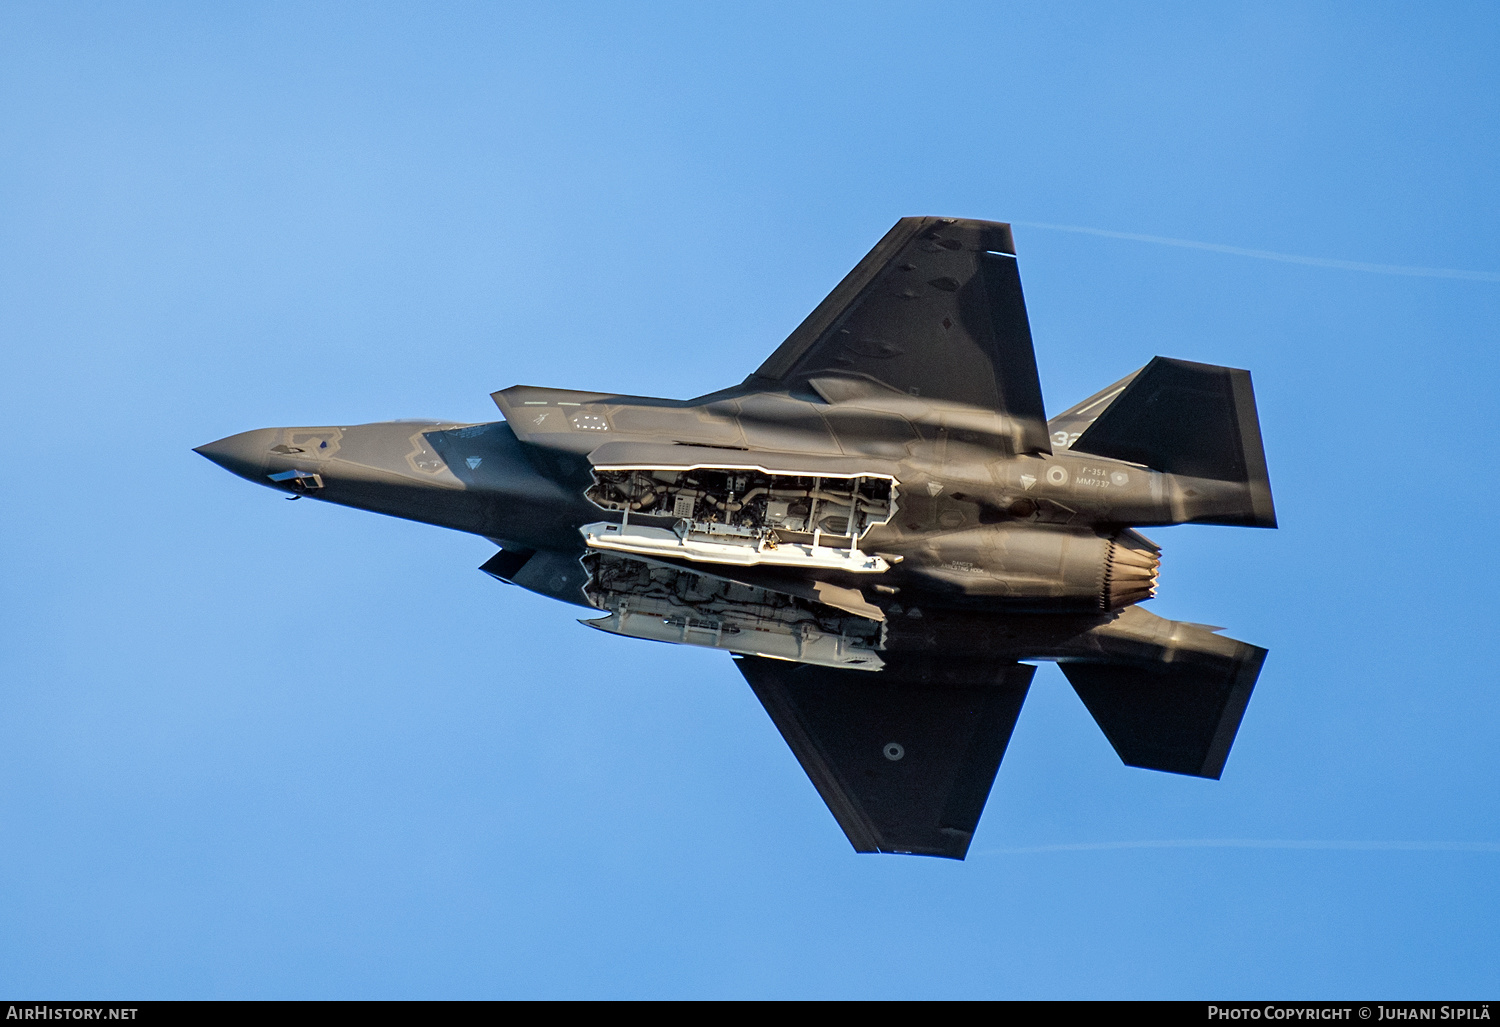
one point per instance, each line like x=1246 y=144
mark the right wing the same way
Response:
x=904 y=758
x=934 y=310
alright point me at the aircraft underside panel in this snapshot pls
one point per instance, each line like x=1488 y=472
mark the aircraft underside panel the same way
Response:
x=711 y=543
x=744 y=516
x=665 y=603
x=904 y=759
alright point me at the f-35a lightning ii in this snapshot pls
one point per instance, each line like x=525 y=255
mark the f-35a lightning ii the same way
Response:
x=880 y=523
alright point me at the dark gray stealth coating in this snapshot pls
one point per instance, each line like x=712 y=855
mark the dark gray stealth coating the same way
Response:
x=880 y=523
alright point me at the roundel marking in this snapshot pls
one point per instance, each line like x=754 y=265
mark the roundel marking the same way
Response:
x=1057 y=475
x=893 y=751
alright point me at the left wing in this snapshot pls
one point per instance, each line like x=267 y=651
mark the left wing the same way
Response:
x=934 y=310
x=904 y=758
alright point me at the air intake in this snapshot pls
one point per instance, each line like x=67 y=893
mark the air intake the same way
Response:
x=1131 y=569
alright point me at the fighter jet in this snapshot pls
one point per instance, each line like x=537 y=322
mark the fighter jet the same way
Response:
x=880 y=523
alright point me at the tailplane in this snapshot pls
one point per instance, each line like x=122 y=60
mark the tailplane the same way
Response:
x=1191 y=421
x=1180 y=716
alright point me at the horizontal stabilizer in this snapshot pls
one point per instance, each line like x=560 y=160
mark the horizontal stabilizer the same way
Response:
x=1180 y=717
x=1195 y=420
x=904 y=758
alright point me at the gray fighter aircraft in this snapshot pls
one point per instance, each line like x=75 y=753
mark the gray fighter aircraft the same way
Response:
x=880 y=523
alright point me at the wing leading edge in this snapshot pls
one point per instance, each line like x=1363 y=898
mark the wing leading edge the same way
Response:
x=934 y=310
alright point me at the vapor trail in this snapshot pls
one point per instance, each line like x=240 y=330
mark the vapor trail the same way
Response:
x=1250 y=843
x=1285 y=258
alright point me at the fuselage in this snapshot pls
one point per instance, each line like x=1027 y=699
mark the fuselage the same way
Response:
x=976 y=524
x=989 y=551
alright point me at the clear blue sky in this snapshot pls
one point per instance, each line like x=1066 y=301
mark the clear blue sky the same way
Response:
x=263 y=749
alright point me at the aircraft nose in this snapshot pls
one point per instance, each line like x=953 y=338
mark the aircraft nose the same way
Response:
x=245 y=454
